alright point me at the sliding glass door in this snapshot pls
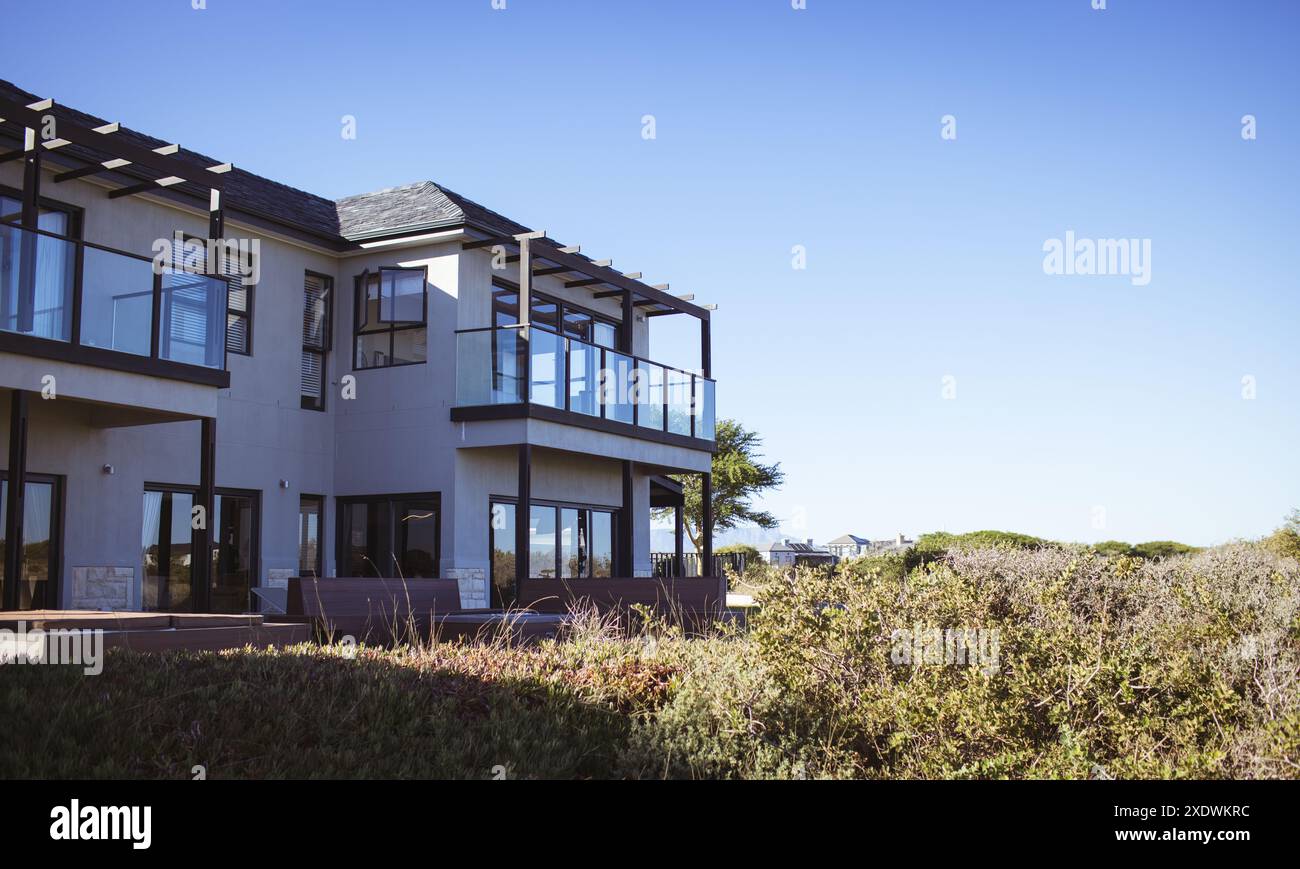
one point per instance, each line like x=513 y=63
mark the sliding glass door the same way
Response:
x=389 y=536
x=167 y=551
x=41 y=543
x=234 y=553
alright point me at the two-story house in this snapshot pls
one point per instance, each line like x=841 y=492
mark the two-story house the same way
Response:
x=401 y=383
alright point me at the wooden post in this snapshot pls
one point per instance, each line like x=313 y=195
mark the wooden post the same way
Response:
x=679 y=535
x=201 y=538
x=706 y=531
x=522 y=543
x=14 y=498
x=626 y=563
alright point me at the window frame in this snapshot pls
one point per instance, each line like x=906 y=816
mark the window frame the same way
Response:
x=342 y=517
x=391 y=328
x=327 y=341
x=562 y=309
x=250 y=294
x=58 y=498
x=319 y=500
x=558 y=506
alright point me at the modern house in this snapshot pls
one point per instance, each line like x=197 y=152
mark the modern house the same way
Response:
x=216 y=382
x=853 y=546
x=789 y=552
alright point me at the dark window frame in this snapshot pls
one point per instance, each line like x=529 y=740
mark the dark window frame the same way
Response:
x=558 y=506
x=76 y=214
x=327 y=342
x=58 y=498
x=250 y=294
x=360 y=283
x=562 y=308
x=319 y=566
x=255 y=543
x=341 y=518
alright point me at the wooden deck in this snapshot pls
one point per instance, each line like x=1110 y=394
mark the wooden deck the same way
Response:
x=160 y=632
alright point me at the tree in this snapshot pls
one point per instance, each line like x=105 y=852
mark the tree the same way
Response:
x=1285 y=541
x=737 y=476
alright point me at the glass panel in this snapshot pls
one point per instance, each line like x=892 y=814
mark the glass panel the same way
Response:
x=544 y=313
x=489 y=366
x=417 y=539
x=605 y=335
x=312 y=376
x=704 y=412
x=166 y=544
x=403 y=296
x=316 y=298
x=309 y=519
x=503 y=554
x=679 y=402
x=650 y=395
x=35 y=591
x=367 y=533
x=505 y=308
x=584 y=367
x=372 y=350
x=10 y=208
x=410 y=345
x=44 y=308
x=577 y=325
x=546 y=368
x=233 y=556
x=368 y=309
x=602 y=543
x=616 y=388
x=116 y=302
x=192 y=329
x=573 y=543
x=541 y=542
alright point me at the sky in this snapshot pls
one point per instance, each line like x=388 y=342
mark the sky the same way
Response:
x=921 y=371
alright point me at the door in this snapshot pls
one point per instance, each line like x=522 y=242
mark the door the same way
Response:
x=41 y=543
x=234 y=552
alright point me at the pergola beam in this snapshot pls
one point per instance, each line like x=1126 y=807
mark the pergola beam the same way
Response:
x=153 y=159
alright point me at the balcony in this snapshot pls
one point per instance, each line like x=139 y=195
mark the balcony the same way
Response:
x=501 y=373
x=79 y=302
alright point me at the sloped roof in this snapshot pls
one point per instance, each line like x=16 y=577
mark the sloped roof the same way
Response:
x=849 y=538
x=792 y=546
x=413 y=207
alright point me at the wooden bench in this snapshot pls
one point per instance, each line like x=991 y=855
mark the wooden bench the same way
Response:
x=371 y=610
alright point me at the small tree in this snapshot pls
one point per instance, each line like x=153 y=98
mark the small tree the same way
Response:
x=738 y=475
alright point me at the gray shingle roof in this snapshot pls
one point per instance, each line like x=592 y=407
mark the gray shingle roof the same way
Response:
x=412 y=207
x=850 y=538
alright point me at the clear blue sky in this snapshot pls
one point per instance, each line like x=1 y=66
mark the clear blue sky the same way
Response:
x=821 y=128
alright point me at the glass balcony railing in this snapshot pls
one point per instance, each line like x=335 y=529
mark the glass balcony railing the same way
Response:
x=125 y=306
x=501 y=366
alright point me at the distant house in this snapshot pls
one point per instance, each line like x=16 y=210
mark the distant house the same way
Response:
x=853 y=546
x=790 y=552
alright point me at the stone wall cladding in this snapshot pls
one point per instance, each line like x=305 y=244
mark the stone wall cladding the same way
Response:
x=472 y=583
x=102 y=588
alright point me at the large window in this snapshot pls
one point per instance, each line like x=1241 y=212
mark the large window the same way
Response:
x=167 y=544
x=390 y=318
x=389 y=536
x=191 y=253
x=42 y=542
x=37 y=299
x=561 y=317
x=317 y=297
x=565 y=541
x=311 y=512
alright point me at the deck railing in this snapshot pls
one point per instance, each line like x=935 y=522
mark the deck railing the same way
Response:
x=501 y=366
x=85 y=294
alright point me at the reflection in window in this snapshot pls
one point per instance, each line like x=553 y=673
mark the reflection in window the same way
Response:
x=166 y=545
x=389 y=537
x=41 y=543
